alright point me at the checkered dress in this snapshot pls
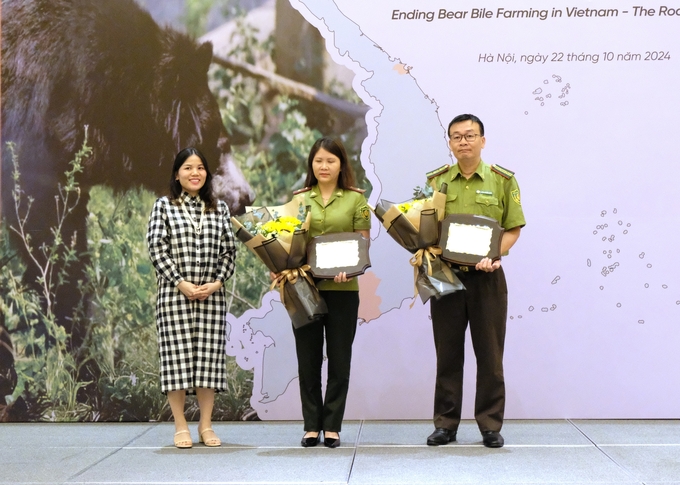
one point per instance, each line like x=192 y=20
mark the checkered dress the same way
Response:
x=191 y=334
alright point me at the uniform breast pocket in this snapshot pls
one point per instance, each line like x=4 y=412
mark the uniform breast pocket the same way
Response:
x=451 y=204
x=489 y=206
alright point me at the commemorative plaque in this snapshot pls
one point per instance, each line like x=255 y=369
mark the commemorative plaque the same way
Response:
x=340 y=252
x=467 y=238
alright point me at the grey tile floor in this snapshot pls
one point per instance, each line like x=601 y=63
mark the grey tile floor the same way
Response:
x=372 y=452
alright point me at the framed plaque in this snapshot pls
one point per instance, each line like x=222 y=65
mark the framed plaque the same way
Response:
x=340 y=252
x=468 y=238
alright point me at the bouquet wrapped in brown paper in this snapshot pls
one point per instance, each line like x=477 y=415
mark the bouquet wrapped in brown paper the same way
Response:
x=278 y=237
x=414 y=224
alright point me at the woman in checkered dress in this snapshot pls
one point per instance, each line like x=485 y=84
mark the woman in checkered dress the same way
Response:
x=191 y=245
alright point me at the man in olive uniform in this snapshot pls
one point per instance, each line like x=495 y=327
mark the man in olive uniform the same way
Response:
x=488 y=190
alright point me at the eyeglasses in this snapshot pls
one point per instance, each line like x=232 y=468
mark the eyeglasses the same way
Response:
x=469 y=137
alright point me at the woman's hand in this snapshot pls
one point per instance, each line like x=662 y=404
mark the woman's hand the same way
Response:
x=341 y=278
x=204 y=291
x=194 y=292
x=187 y=289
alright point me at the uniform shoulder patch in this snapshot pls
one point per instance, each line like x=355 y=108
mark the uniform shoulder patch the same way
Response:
x=438 y=171
x=357 y=189
x=515 y=196
x=302 y=190
x=503 y=172
x=365 y=213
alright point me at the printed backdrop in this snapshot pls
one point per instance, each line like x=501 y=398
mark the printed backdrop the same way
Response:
x=585 y=121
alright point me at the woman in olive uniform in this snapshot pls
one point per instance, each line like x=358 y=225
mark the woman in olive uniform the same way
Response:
x=336 y=206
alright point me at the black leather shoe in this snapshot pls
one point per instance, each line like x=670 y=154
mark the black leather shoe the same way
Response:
x=441 y=436
x=310 y=441
x=331 y=442
x=492 y=439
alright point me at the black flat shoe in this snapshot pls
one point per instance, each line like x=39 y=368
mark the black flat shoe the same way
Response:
x=310 y=441
x=331 y=442
x=441 y=436
x=492 y=439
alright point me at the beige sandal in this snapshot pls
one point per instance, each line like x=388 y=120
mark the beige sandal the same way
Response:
x=215 y=441
x=183 y=443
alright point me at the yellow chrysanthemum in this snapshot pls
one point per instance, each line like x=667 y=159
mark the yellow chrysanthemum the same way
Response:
x=414 y=205
x=404 y=208
x=280 y=224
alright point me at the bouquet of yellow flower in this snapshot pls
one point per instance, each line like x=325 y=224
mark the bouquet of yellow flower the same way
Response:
x=414 y=224
x=425 y=199
x=282 y=225
x=278 y=237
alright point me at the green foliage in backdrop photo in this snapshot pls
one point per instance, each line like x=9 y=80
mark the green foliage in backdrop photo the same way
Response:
x=113 y=375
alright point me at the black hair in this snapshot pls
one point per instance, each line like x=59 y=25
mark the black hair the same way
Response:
x=205 y=192
x=466 y=117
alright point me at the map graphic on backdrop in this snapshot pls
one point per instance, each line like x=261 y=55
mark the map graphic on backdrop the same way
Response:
x=587 y=124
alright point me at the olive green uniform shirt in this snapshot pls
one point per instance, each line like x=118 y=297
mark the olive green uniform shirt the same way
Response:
x=346 y=211
x=486 y=193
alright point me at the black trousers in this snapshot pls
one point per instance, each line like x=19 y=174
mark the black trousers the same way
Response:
x=484 y=305
x=339 y=327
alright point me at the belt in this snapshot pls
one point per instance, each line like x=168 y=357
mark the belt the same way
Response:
x=463 y=268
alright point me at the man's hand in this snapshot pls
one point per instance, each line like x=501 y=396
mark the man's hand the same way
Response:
x=488 y=265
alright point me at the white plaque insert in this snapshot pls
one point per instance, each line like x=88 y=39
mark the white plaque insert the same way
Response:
x=469 y=239
x=338 y=254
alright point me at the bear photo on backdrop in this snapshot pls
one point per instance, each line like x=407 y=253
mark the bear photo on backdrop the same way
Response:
x=141 y=90
x=106 y=72
x=97 y=99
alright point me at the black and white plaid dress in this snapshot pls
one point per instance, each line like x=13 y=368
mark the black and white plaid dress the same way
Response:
x=191 y=334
